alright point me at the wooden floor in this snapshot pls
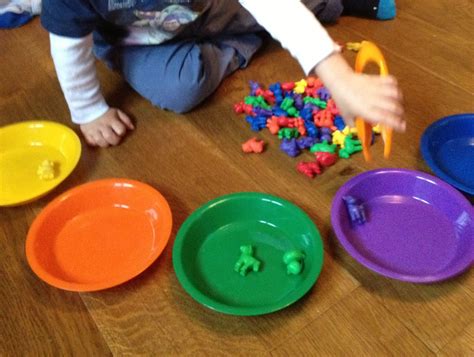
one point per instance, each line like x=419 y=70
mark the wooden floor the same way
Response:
x=196 y=157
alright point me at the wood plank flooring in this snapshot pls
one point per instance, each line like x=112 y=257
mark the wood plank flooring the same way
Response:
x=195 y=157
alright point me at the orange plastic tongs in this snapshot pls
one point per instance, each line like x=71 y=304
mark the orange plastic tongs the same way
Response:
x=369 y=52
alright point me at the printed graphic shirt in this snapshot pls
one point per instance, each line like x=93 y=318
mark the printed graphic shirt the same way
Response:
x=131 y=22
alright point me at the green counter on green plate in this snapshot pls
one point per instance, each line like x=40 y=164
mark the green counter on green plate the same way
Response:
x=208 y=244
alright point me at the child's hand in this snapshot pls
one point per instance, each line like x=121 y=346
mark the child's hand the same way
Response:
x=374 y=98
x=107 y=129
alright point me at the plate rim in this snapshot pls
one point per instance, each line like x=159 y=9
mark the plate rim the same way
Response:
x=32 y=237
x=428 y=157
x=354 y=253
x=212 y=304
x=74 y=162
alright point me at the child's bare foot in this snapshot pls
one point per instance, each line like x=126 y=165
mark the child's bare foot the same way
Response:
x=108 y=129
x=374 y=98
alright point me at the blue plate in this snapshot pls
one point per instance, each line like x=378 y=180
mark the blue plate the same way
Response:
x=447 y=146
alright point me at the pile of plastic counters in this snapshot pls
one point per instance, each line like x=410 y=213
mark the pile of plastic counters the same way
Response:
x=304 y=117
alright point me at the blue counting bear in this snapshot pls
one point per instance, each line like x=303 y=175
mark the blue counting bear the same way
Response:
x=277 y=92
x=311 y=129
x=279 y=112
x=305 y=142
x=253 y=87
x=355 y=210
x=339 y=123
x=307 y=113
x=256 y=123
x=298 y=102
x=290 y=147
x=262 y=112
x=324 y=94
x=326 y=135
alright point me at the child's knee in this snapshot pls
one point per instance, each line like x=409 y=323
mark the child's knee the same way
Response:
x=179 y=78
x=181 y=96
x=185 y=89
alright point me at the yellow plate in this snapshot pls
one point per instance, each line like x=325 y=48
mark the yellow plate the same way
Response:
x=23 y=148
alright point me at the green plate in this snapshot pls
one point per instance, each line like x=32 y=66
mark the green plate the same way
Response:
x=208 y=246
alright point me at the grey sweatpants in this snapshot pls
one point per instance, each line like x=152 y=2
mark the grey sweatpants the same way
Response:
x=180 y=74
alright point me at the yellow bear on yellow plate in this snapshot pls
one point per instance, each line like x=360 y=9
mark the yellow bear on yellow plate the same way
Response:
x=46 y=170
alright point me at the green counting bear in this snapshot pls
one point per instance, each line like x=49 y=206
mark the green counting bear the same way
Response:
x=246 y=261
x=294 y=261
x=257 y=101
x=351 y=146
x=288 y=133
x=323 y=147
x=316 y=101
x=287 y=105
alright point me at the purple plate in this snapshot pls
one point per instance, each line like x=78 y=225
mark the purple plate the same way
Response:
x=418 y=229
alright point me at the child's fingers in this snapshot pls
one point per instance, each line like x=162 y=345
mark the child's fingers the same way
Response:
x=125 y=119
x=398 y=95
x=388 y=118
x=391 y=92
x=387 y=86
x=388 y=108
x=392 y=106
x=388 y=80
x=348 y=120
x=99 y=140
x=109 y=136
x=119 y=128
x=90 y=140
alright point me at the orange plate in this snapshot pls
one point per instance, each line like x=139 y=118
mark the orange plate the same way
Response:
x=99 y=235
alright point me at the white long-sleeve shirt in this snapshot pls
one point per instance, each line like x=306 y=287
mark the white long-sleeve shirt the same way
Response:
x=74 y=61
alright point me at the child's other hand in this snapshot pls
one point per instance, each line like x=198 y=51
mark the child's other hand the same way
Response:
x=374 y=98
x=108 y=129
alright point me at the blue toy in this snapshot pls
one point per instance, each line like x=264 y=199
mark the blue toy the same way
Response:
x=305 y=142
x=355 y=210
x=339 y=123
x=256 y=123
x=290 y=147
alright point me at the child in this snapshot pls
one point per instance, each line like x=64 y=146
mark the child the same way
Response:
x=175 y=53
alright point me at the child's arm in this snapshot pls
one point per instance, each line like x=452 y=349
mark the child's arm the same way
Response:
x=375 y=98
x=75 y=67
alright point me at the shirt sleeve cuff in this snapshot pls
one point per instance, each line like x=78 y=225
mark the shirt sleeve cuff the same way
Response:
x=90 y=112
x=310 y=59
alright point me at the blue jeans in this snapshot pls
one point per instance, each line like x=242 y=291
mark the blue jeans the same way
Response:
x=180 y=74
